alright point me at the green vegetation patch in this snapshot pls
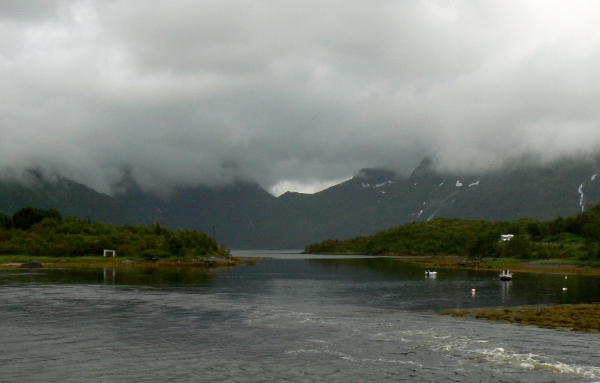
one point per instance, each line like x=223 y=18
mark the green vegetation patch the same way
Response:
x=574 y=238
x=43 y=233
x=48 y=259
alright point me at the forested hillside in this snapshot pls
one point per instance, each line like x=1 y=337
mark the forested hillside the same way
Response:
x=576 y=236
x=32 y=231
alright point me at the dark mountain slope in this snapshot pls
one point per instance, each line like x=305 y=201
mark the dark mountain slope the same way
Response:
x=66 y=196
x=244 y=215
x=238 y=215
x=525 y=192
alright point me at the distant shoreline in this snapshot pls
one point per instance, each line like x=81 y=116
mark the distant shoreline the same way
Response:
x=127 y=263
x=550 y=266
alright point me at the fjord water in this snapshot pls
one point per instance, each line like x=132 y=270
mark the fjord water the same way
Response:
x=293 y=318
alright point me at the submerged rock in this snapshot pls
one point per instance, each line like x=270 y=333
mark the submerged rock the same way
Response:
x=32 y=265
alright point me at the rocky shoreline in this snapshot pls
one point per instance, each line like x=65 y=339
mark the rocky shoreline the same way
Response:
x=576 y=317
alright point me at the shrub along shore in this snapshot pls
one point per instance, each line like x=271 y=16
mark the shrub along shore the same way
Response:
x=33 y=236
x=520 y=244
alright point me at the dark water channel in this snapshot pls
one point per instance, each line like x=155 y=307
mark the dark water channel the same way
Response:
x=293 y=318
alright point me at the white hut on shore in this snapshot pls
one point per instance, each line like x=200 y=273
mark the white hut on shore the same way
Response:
x=110 y=253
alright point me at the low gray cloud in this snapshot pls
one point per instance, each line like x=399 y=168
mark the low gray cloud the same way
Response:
x=297 y=94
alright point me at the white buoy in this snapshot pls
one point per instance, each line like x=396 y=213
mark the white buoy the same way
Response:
x=564 y=289
x=565 y=277
x=473 y=290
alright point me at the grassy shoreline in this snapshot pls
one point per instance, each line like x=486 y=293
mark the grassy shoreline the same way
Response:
x=17 y=261
x=558 y=266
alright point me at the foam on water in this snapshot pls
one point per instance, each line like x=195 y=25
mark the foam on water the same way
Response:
x=536 y=362
x=470 y=349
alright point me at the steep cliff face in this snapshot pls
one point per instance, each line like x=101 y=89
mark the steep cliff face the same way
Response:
x=244 y=215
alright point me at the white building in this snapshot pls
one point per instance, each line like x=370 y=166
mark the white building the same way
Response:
x=110 y=253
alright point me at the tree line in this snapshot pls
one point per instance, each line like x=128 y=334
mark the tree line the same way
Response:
x=32 y=231
x=573 y=237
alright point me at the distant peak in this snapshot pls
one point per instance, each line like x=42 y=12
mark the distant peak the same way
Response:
x=427 y=162
x=375 y=175
x=425 y=167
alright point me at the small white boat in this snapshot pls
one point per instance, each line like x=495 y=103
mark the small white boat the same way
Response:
x=505 y=275
x=430 y=273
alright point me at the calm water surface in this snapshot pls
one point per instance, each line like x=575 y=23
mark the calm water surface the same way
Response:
x=292 y=318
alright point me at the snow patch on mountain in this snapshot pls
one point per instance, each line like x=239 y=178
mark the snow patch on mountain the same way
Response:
x=368 y=185
x=594 y=176
x=382 y=184
x=474 y=184
x=458 y=184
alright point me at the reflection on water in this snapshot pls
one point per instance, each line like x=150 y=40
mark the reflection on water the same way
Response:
x=408 y=288
x=374 y=282
x=506 y=291
x=110 y=278
x=113 y=275
x=299 y=320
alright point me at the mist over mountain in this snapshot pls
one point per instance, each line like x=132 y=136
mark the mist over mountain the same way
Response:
x=244 y=215
x=180 y=93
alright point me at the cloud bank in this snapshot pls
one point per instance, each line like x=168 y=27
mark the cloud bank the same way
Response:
x=291 y=94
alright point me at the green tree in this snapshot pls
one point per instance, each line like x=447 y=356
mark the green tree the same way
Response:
x=176 y=245
x=518 y=247
x=28 y=216
x=533 y=229
x=591 y=232
x=483 y=245
x=5 y=221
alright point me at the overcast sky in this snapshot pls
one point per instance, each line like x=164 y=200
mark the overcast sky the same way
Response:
x=292 y=94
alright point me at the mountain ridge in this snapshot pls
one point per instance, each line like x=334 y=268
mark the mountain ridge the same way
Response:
x=244 y=215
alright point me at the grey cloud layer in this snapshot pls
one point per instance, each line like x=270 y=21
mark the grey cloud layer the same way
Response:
x=184 y=92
